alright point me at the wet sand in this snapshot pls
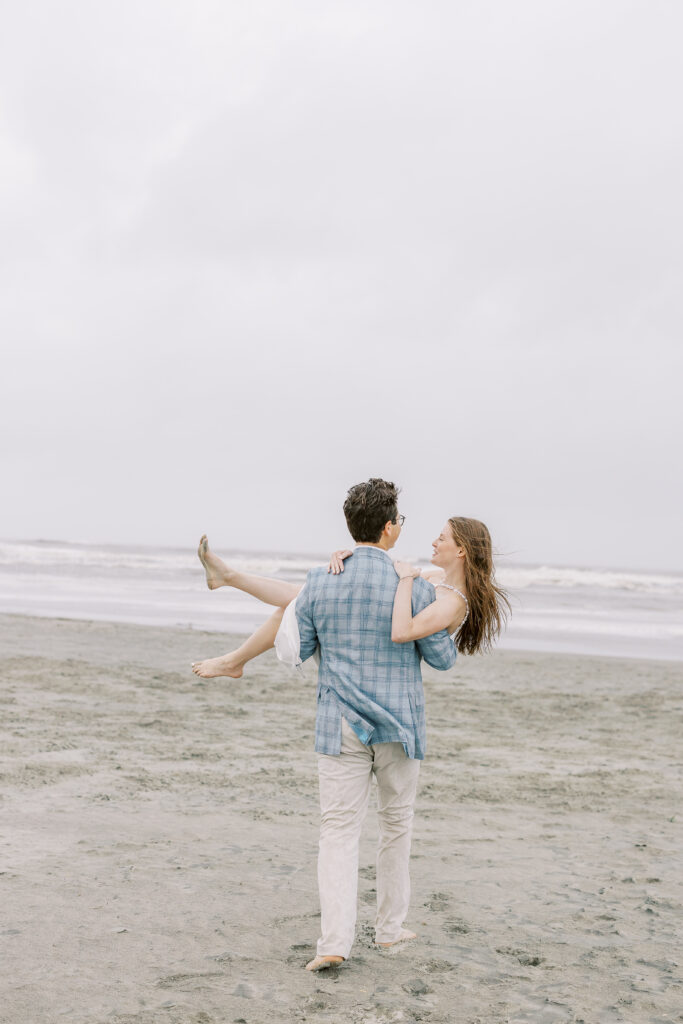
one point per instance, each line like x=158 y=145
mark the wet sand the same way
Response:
x=158 y=841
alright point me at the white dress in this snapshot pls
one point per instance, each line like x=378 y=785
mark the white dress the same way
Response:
x=287 y=639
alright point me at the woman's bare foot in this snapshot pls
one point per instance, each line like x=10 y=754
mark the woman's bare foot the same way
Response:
x=405 y=936
x=227 y=665
x=319 y=963
x=217 y=572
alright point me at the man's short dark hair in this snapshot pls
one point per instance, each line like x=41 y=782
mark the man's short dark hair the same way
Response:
x=369 y=507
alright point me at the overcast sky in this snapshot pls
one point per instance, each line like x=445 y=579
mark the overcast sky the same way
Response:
x=255 y=252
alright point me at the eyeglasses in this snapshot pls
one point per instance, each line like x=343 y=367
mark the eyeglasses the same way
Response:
x=400 y=520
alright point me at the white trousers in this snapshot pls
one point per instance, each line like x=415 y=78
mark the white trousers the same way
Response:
x=344 y=793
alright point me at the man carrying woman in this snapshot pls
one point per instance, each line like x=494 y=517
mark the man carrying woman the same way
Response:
x=371 y=621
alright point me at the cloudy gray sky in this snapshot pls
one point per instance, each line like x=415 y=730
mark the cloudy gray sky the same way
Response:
x=254 y=252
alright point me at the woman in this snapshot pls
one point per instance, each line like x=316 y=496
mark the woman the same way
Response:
x=468 y=602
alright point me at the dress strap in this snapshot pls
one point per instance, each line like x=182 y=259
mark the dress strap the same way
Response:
x=455 y=591
x=467 y=605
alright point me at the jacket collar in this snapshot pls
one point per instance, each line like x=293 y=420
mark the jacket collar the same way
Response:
x=372 y=551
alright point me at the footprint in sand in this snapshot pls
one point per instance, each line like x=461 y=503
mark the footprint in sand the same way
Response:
x=456 y=926
x=416 y=987
x=188 y=981
x=437 y=966
x=525 y=958
x=438 y=901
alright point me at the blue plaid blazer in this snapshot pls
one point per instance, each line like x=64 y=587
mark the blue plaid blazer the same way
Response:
x=374 y=683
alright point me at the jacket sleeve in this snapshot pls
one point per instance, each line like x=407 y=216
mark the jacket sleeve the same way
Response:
x=308 y=644
x=438 y=650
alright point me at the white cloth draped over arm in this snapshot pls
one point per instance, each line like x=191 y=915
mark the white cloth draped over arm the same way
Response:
x=288 y=641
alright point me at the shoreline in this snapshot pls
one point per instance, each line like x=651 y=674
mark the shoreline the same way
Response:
x=583 y=610
x=159 y=839
x=234 y=636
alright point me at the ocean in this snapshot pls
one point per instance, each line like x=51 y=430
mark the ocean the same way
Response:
x=577 y=610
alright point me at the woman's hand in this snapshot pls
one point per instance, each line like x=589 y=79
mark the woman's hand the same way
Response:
x=405 y=569
x=337 y=560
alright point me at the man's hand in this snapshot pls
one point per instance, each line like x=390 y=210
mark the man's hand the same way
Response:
x=337 y=560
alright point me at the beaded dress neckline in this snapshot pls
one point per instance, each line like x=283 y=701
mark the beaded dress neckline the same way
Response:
x=467 y=605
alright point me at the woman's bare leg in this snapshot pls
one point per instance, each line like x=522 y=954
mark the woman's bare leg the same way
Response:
x=233 y=663
x=218 y=574
x=270 y=591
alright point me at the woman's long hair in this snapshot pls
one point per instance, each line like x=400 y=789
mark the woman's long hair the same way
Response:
x=489 y=606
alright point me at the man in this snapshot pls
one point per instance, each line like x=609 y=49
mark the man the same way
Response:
x=370 y=718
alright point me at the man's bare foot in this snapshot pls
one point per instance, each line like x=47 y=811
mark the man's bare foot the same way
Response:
x=319 y=963
x=405 y=936
x=217 y=572
x=226 y=665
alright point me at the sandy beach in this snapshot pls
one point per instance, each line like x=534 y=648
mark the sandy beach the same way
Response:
x=158 y=840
